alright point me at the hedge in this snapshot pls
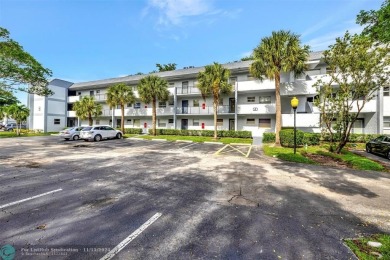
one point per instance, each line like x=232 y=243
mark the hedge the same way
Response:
x=210 y=133
x=268 y=138
x=353 y=138
x=133 y=131
x=287 y=137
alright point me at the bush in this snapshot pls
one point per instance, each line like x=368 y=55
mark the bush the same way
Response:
x=311 y=138
x=268 y=137
x=133 y=131
x=353 y=138
x=209 y=133
x=287 y=137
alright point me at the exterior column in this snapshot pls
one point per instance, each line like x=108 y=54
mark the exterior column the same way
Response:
x=174 y=107
x=235 y=106
x=379 y=111
x=112 y=117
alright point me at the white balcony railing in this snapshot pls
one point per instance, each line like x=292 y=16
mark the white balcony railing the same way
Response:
x=251 y=85
x=145 y=111
x=256 y=109
x=187 y=90
x=204 y=111
x=370 y=106
x=302 y=120
x=71 y=113
x=72 y=99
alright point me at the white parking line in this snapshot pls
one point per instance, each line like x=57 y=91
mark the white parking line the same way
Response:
x=130 y=238
x=187 y=145
x=30 y=198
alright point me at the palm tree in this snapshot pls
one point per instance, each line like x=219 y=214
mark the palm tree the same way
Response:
x=86 y=108
x=214 y=81
x=18 y=112
x=281 y=52
x=150 y=89
x=120 y=94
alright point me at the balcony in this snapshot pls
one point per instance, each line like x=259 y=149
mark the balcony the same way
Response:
x=303 y=120
x=167 y=111
x=299 y=87
x=71 y=113
x=72 y=99
x=369 y=107
x=256 y=109
x=256 y=85
x=205 y=111
x=188 y=90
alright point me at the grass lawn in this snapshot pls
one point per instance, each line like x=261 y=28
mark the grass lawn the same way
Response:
x=365 y=252
x=305 y=156
x=6 y=134
x=199 y=139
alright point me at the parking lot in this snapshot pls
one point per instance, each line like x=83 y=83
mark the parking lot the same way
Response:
x=138 y=199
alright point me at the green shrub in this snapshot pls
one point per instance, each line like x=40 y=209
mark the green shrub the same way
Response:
x=353 y=138
x=287 y=137
x=133 y=131
x=268 y=137
x=311 y=138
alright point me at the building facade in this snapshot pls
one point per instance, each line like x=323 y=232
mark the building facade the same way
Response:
x=251 y=105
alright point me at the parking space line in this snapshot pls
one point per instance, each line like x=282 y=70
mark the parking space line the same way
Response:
x=130 y=238
x=30 y=198
x=249 y=151
x=188 y=145
x=220 y=150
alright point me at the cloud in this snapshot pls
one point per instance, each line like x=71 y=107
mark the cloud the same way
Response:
x=178 y=12
x=174 y=11
x=323 y=42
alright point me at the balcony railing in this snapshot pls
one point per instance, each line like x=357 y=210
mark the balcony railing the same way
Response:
x=204 y=111
x=98 y=97
x=188 y=90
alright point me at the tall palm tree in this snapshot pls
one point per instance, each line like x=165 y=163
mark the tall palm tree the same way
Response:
x=20 y=113
x=120 y=94
x=87 y=108
x=214 y=80
x=281 y=52
x=150 y=89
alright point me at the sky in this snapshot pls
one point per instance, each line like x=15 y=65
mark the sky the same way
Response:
x=84 y=40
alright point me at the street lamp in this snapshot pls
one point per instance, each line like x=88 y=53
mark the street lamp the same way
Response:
x=294 y=105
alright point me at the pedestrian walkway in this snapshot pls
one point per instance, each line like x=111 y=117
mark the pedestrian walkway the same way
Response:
x=257 y=141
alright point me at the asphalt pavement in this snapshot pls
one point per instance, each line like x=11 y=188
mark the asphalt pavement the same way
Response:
x=136 y=199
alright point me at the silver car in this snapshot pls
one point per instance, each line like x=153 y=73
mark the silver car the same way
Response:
x=71 y=133
x=99 y=132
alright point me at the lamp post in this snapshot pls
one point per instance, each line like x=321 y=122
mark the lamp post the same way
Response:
x=294 y=105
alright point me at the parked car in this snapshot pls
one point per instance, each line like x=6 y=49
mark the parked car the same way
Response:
x=380 y=145
x=99 y=132
x=71 y=133
x=12 y=126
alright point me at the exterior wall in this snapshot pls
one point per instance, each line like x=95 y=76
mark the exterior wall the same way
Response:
x=38 y=112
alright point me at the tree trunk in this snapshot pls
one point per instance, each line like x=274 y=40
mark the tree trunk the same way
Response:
x=90 y=121
x=215 y=106
x=154 y=116
x=17 y=129
x=278 y=123
x=123 y=118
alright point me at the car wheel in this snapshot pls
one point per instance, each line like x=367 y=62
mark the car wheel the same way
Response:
x=97 y=138
x=118 y=136
x=76 y=137
x=368 y=149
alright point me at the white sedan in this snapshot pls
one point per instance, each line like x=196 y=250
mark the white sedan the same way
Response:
x=99 y=132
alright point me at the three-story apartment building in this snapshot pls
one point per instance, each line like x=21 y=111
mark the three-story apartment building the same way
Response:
x=251 y=105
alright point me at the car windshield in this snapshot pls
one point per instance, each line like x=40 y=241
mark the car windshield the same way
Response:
x=87 y=128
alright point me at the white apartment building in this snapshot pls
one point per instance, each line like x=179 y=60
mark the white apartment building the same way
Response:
x=251 y=106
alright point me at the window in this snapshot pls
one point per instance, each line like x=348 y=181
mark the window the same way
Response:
x=79 y=93
x=233 y=80
x=162 y=104
x=386 y=121
x=310 y=99
x=170 y=121
x=91 y=93
x=386 y=91
x=97 y=121
x=219 y=122
x=221 y=101
x=129 y=105
x=161 y=123
x=128 y=120
x=251 y=99
x=196 y=103
x=136 y=123
x=137 y=105
x=250 y=121
x=171 y=84
x=264 y=123
x=195 y=122
x=171 y=102
x=97 y=91
x=57 y=121
x=265 y=100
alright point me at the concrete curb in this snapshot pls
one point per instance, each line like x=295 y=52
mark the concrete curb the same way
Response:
x=212 y=143
x=136 y=138
x=159 y=139
x=184 y=141
x=243 y=144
